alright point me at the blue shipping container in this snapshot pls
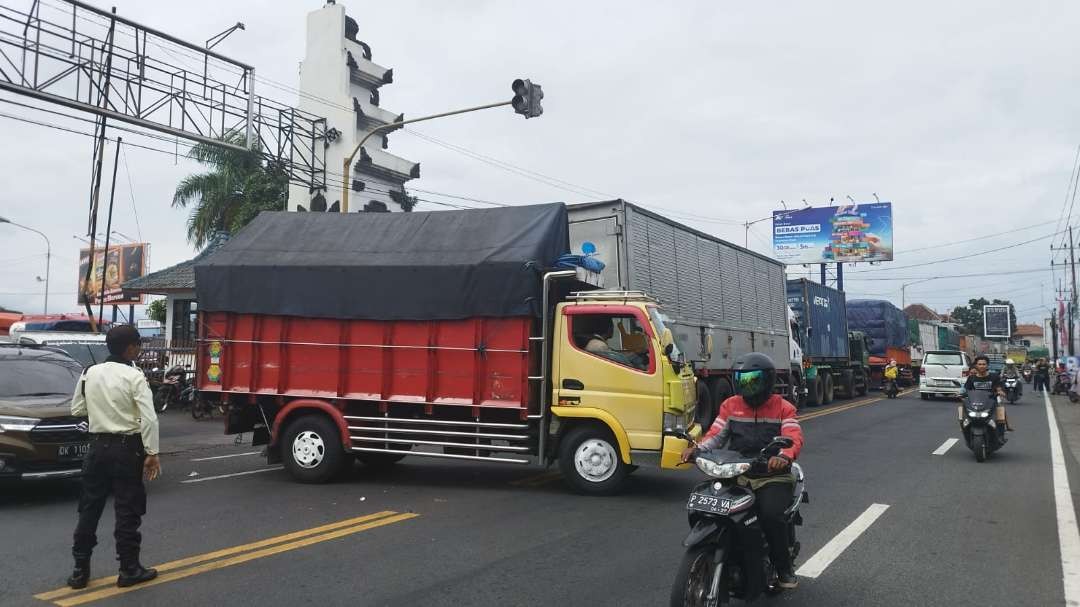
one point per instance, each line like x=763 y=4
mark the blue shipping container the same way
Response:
x=883 y=323
x=822 y=316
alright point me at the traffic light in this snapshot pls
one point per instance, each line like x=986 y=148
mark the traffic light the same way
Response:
x=527 y=98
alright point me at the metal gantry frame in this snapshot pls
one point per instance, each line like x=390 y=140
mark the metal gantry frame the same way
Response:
x=76 y=55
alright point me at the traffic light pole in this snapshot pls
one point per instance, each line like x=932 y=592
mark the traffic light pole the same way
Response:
x=347 y=165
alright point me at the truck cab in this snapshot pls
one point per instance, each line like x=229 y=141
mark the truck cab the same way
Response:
x=617 y=376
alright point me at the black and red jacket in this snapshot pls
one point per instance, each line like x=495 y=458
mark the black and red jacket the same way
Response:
x=749 y=430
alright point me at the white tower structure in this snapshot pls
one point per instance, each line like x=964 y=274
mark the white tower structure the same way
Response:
x=338 y=80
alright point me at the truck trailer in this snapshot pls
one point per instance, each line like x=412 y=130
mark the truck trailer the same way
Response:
x=834 y=359
x=886 y=330
x=719 y=299
x=453 y=335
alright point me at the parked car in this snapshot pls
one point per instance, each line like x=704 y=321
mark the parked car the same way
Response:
x=87 y=348
x=39 y=438
x=943 y=373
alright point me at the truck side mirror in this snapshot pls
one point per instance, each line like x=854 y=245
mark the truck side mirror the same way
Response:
x=668 y=349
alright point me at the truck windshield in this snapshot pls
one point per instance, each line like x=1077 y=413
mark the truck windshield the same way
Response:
x=658 y=323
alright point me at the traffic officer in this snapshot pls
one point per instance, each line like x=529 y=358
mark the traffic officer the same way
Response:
x=123 y=452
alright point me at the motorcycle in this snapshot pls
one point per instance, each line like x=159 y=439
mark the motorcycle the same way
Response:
x=978 y=425
x=1062 y=384
x=1012 y=389
x=726 y=553
x=175 y=389
x=1027 y=375
x=890 y=388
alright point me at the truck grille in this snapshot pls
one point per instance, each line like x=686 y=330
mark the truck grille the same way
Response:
x=60 y=430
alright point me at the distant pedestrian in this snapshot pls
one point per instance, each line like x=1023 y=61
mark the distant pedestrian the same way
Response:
x=1042 y=375
x=123 y=452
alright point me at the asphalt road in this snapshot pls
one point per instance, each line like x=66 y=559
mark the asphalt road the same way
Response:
x=949 y=531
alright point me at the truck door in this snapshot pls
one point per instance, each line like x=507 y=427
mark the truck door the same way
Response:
x=608 y=361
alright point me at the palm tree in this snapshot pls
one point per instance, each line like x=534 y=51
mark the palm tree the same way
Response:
x=239 y=186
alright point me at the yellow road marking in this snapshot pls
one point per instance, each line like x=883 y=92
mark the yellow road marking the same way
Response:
x=537 y=480
x=236 y=560
x=192 y=560
x=846 y=407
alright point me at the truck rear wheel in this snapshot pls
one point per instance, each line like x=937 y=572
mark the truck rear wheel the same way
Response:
x=813 y=391
x=311 y=449
x=827 y=389
x=706 y=405
x=861 y=386
x=589 y=461
x=847 y=383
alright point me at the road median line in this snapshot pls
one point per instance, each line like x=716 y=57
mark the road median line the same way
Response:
x=846 y=407
x=217 y=554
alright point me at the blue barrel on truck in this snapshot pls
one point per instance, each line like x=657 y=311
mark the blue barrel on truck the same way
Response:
x=822 y=316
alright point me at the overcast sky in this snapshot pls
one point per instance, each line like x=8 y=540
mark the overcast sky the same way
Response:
x=961 y=114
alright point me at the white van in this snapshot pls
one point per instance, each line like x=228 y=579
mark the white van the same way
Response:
x=943 y=373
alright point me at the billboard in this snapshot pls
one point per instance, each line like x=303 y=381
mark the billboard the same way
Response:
x=996 y=321
x=848 y=233
x=123 y=263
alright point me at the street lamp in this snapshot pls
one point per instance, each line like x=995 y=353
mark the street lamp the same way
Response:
x=903 y=288
x=48 y=255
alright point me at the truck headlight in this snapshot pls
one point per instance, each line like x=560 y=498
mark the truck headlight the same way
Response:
x=11 y=423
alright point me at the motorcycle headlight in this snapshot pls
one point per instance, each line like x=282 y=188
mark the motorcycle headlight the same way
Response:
x=9 y=423
x=716 y=470
x=978 y=414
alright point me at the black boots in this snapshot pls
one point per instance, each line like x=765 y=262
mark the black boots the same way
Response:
x=80 y=576
x=131 y=575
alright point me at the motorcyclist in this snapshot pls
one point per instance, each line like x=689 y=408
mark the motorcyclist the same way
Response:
x=983 y=380
x=1013 y=372
x=1042 y=375
x=891 y=372
x=747 y=423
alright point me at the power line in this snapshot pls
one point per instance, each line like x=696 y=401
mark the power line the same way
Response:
x=973 y=239
x=968 y=256
x=131 y=191
x=996 y=273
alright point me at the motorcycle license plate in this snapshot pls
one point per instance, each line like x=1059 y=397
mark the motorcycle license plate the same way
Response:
x=708 y=503
x=74 y=451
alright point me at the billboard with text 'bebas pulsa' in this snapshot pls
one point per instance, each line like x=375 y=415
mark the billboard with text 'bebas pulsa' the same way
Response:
x=120 y=264
x=848 y=233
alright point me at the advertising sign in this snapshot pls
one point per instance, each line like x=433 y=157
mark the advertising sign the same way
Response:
x=123 y=263
x=848 y=233
x=996 y=321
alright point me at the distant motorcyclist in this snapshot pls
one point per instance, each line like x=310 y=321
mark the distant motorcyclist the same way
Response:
x=892 y=371
x=983 y=380
x=748 y=422
x=1011 y=371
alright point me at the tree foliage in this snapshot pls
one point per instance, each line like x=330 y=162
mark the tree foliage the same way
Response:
x=156 y=310
x=970 y=317
x=238 y=186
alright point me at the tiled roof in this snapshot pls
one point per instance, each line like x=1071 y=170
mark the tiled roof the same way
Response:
x=180 y=277
x=1029 y=330
x=921 y=312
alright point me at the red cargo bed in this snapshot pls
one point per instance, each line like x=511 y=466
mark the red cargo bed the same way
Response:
x=478 y=362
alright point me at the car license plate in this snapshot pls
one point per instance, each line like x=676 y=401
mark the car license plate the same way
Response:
x=76 y=450
x=708 y=503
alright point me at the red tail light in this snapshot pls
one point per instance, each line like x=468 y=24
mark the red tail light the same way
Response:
x=964 y=373
x=922 y=370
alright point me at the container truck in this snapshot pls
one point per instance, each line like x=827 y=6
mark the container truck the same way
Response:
x=886 y=331
x=454 y=335
x=834 y=359
x=719 y=299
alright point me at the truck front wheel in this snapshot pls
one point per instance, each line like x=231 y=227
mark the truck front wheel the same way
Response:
x=827 y=389
x=589 y=461
x=311 y=449
x=706 y=406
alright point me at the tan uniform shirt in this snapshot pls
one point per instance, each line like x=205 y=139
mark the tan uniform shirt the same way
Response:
x=117 y=400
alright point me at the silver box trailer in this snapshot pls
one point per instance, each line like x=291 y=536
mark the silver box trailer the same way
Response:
x=713 y=291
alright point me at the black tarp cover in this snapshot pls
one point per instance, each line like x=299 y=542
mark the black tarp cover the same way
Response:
x=387 y=266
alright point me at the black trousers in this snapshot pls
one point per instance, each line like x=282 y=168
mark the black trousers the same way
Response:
x=772 y=500
x=113 y=465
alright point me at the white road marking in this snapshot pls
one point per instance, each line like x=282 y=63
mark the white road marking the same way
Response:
x=214 y=478
x=206 y=459
x=1068 y=535
x=945 y=446
x=836 y=546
